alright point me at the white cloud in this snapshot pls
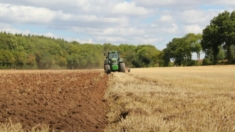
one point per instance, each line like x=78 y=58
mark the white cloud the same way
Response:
x=83 y=41
x=51 y=3
x=12 y=30
x=148 y=40
x=9 y=29
x=183 y=4
x=110 y=39
x=225 y=3
x=123 y=31
x=166 y=18
x=155 y=2
x=193 y=29
x=173 y=29
x=197 y=16
x=25 y=14
x=50 y=35
x=63 y=16
x=133 y=40
x=4 y=25
x=129 y=8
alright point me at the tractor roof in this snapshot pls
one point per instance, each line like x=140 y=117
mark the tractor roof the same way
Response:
x=113 y=52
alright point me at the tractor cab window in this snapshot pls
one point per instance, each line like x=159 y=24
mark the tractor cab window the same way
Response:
x=113 y=55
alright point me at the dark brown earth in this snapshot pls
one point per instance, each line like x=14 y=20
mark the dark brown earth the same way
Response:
x=63 y=100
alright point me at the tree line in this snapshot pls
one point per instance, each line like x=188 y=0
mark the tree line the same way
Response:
x=19 y=51
x=217 y=41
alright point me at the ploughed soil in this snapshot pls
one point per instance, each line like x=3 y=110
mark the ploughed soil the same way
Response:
x=62 y=100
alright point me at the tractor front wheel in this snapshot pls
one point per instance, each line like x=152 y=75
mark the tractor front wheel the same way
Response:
x=122 y=67
x=107 y=69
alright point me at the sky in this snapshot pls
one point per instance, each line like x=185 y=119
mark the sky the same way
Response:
x=135 y=22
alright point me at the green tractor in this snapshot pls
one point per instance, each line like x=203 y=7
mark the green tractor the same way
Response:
x=113 y=62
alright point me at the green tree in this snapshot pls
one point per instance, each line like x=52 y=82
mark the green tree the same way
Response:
x=165 y=57
x=178 y=51
x=128 y=52
x=109 y=47
x=20 y=59
x=31 y=61
x=44 y=60
x=211 y=42
x=73 y=60
x=220 y=32
x=194 y=41
x=7 y=59
x=147 y=55
x=7 y=41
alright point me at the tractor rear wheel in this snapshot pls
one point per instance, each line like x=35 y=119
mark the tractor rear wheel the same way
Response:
x=122 y=67
x=107 y=69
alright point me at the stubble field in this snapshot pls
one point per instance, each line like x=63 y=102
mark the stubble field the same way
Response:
x=144 y=100
x=172 y=99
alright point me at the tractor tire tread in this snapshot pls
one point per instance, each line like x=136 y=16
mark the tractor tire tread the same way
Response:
x=122 y=67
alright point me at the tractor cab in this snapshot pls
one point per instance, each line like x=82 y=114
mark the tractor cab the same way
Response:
x=113 y=54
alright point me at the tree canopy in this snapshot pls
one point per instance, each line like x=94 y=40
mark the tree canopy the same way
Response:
x=39 y=52
x=220 y=33
x=180 y=50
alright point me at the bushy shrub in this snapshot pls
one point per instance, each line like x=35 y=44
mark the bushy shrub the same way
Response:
x=206 y=61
